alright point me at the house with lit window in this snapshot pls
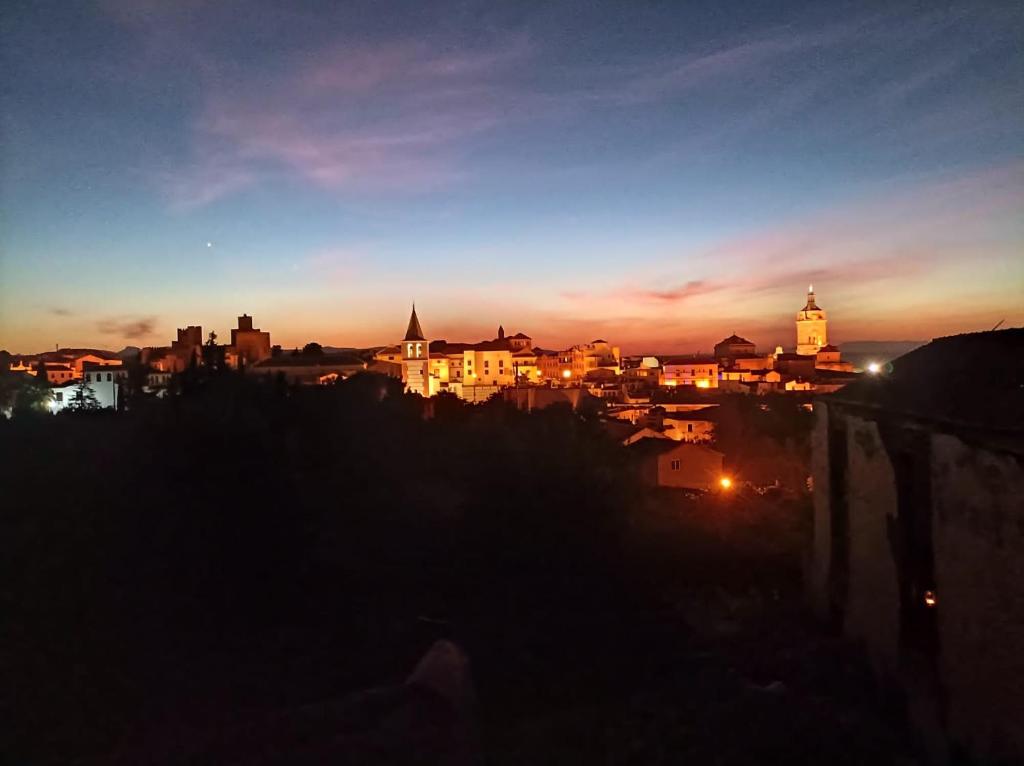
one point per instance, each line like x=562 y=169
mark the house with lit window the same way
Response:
x=698 y=371
x=104 y=380
x=663 y=462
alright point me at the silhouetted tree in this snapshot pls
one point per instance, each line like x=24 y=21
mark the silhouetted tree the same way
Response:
x=84 y=399
x=214 y=355
x=313 y=349
x=21 y=393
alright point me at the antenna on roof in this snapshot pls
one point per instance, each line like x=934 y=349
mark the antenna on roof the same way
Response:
x=998 y=324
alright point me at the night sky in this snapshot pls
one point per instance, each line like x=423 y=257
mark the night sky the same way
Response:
x=658 y=174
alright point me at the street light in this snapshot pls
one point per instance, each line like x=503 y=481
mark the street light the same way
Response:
x=725 y=482
x=874 y=368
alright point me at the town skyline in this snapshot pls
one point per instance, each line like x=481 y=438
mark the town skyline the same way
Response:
x=220 y=328
x=664 y=175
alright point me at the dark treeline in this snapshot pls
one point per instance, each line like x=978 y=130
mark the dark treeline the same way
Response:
x=151 y=553
x=242 y=545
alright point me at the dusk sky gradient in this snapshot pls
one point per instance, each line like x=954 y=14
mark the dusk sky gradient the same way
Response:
x=659 y=174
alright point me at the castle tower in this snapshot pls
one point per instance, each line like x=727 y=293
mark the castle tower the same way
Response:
x=415 y=358
x=810 y=326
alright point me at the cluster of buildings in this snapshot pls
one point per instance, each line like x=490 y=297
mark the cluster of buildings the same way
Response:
x=249 y=346
x=505 y=365
x=476 y=371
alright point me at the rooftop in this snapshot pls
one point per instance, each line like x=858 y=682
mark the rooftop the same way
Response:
x=791 y=357
x=311 y=360
x=705 y=360
x=974 y=380
x=414 y=331
x=733 y=340
x=652 y=447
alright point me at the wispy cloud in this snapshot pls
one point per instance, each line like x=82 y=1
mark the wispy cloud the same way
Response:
x=387 y=117
x=679 y=293
x=131 y=328
x=59 y=311
x=894 y=251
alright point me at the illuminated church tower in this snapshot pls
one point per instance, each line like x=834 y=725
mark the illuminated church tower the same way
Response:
x=415 y=358
x=810 y=326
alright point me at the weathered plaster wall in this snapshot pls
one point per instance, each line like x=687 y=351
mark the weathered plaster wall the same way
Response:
x=816 y=568
x=873 y=608
x=978 y=533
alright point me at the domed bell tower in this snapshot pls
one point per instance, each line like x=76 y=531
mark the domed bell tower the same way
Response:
x=811 y=324
x=415 y=358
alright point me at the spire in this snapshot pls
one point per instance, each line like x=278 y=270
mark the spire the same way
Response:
x=501 y=333
x=415 y=332
x=811 y=305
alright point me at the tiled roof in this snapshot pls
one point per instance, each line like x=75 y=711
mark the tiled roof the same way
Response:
x=701 y=360
x=733 y=340
x=311 y=360
x=414 y=331
x=651 y=447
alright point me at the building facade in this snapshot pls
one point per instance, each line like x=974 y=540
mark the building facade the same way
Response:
x=666 y=463
x=249 y=344
x=476 y=371
x=734 y=346
x=811 y=327
x=416 y=358
x=701 y=372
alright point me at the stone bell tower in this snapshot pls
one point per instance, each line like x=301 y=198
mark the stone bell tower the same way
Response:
x=415 y=358
x=810 y=326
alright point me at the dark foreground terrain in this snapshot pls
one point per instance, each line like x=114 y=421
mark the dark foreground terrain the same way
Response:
x=241 y=554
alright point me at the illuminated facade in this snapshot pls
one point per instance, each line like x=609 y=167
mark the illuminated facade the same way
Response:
x=476 y=371
x=811 y=323
x=415 y=352
x=103 y=379
x=701 y=372
x=249 y=345
x=585 y=358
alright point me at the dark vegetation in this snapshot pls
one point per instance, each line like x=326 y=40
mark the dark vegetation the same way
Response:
x=243 y=547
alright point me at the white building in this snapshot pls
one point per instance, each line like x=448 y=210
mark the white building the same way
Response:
x=105 y=382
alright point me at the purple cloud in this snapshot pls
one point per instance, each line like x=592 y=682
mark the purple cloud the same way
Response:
x=677 y=294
